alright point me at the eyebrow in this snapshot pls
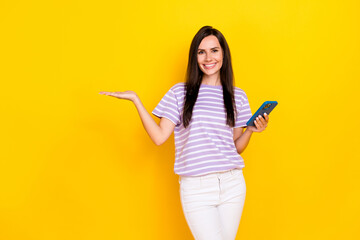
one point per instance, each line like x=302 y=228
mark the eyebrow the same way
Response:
x=210 y=48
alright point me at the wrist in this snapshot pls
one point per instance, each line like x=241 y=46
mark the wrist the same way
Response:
x=136 y=99
x=248 y=130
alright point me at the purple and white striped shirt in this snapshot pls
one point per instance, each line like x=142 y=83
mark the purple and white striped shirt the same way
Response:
x=206 y=145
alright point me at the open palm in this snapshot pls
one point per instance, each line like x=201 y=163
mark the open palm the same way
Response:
x=128 y=95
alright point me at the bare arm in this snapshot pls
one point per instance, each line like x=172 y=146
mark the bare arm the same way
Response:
x=158 y=133
x=242 y=139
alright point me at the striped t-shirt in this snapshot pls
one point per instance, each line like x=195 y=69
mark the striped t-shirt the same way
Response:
x=206 y=145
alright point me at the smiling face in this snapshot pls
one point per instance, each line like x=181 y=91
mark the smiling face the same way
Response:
x=210 y=56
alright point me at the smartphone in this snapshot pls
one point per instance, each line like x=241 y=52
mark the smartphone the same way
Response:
x=266 y=107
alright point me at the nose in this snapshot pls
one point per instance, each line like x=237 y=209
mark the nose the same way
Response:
x=208 y=57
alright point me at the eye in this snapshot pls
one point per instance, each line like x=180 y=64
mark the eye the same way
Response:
x=215 y=50
x=200 y=52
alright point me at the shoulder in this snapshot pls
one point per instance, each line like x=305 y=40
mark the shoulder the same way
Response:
x=176 y=92
x=178 y=88
x=240 y=95
x=239 y=92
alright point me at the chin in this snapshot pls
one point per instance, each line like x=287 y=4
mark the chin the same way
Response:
x=209 y=73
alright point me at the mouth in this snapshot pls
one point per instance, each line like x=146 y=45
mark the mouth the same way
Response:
x=209 y=66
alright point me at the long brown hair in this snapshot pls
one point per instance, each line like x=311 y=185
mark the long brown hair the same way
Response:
x=194 y=76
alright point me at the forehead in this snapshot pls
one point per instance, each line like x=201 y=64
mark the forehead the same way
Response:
x=209 y=42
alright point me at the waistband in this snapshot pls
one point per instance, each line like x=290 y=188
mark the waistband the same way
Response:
x=212 y=175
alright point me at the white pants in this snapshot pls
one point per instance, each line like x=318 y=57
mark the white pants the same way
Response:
x=213 y=204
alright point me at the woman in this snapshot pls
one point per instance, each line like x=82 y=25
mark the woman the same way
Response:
x=208 y=116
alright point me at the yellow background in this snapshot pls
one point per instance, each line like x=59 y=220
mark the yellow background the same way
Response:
x=75 y=164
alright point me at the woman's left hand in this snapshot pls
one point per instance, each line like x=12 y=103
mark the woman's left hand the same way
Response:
x=260 y=124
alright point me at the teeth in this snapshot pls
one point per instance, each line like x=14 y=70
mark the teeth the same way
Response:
x=210 y=65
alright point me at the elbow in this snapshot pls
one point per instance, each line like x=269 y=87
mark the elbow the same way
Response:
x=239 y=150
x=158 y=142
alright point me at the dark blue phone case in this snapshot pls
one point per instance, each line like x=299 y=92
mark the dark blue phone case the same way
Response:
x=266 y=107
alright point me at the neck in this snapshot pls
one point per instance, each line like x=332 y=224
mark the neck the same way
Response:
x=213 y=80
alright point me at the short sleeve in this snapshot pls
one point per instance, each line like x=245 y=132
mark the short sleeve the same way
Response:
x=168 y=107
x=243 y=109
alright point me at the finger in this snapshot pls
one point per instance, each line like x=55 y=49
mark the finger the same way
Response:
x=112 y=94
x=263 y=123
x=266 y=117
x=258 y=120
x=257 y=125
x=262 y=120
x=106 y=93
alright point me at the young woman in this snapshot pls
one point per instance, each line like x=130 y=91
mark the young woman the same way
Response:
x=208 y=116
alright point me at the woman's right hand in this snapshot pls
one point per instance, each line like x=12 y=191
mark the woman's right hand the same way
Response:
x=128 y=95
x=158 y=133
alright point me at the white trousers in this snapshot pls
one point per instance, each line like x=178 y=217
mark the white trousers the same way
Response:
x=213 y=204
